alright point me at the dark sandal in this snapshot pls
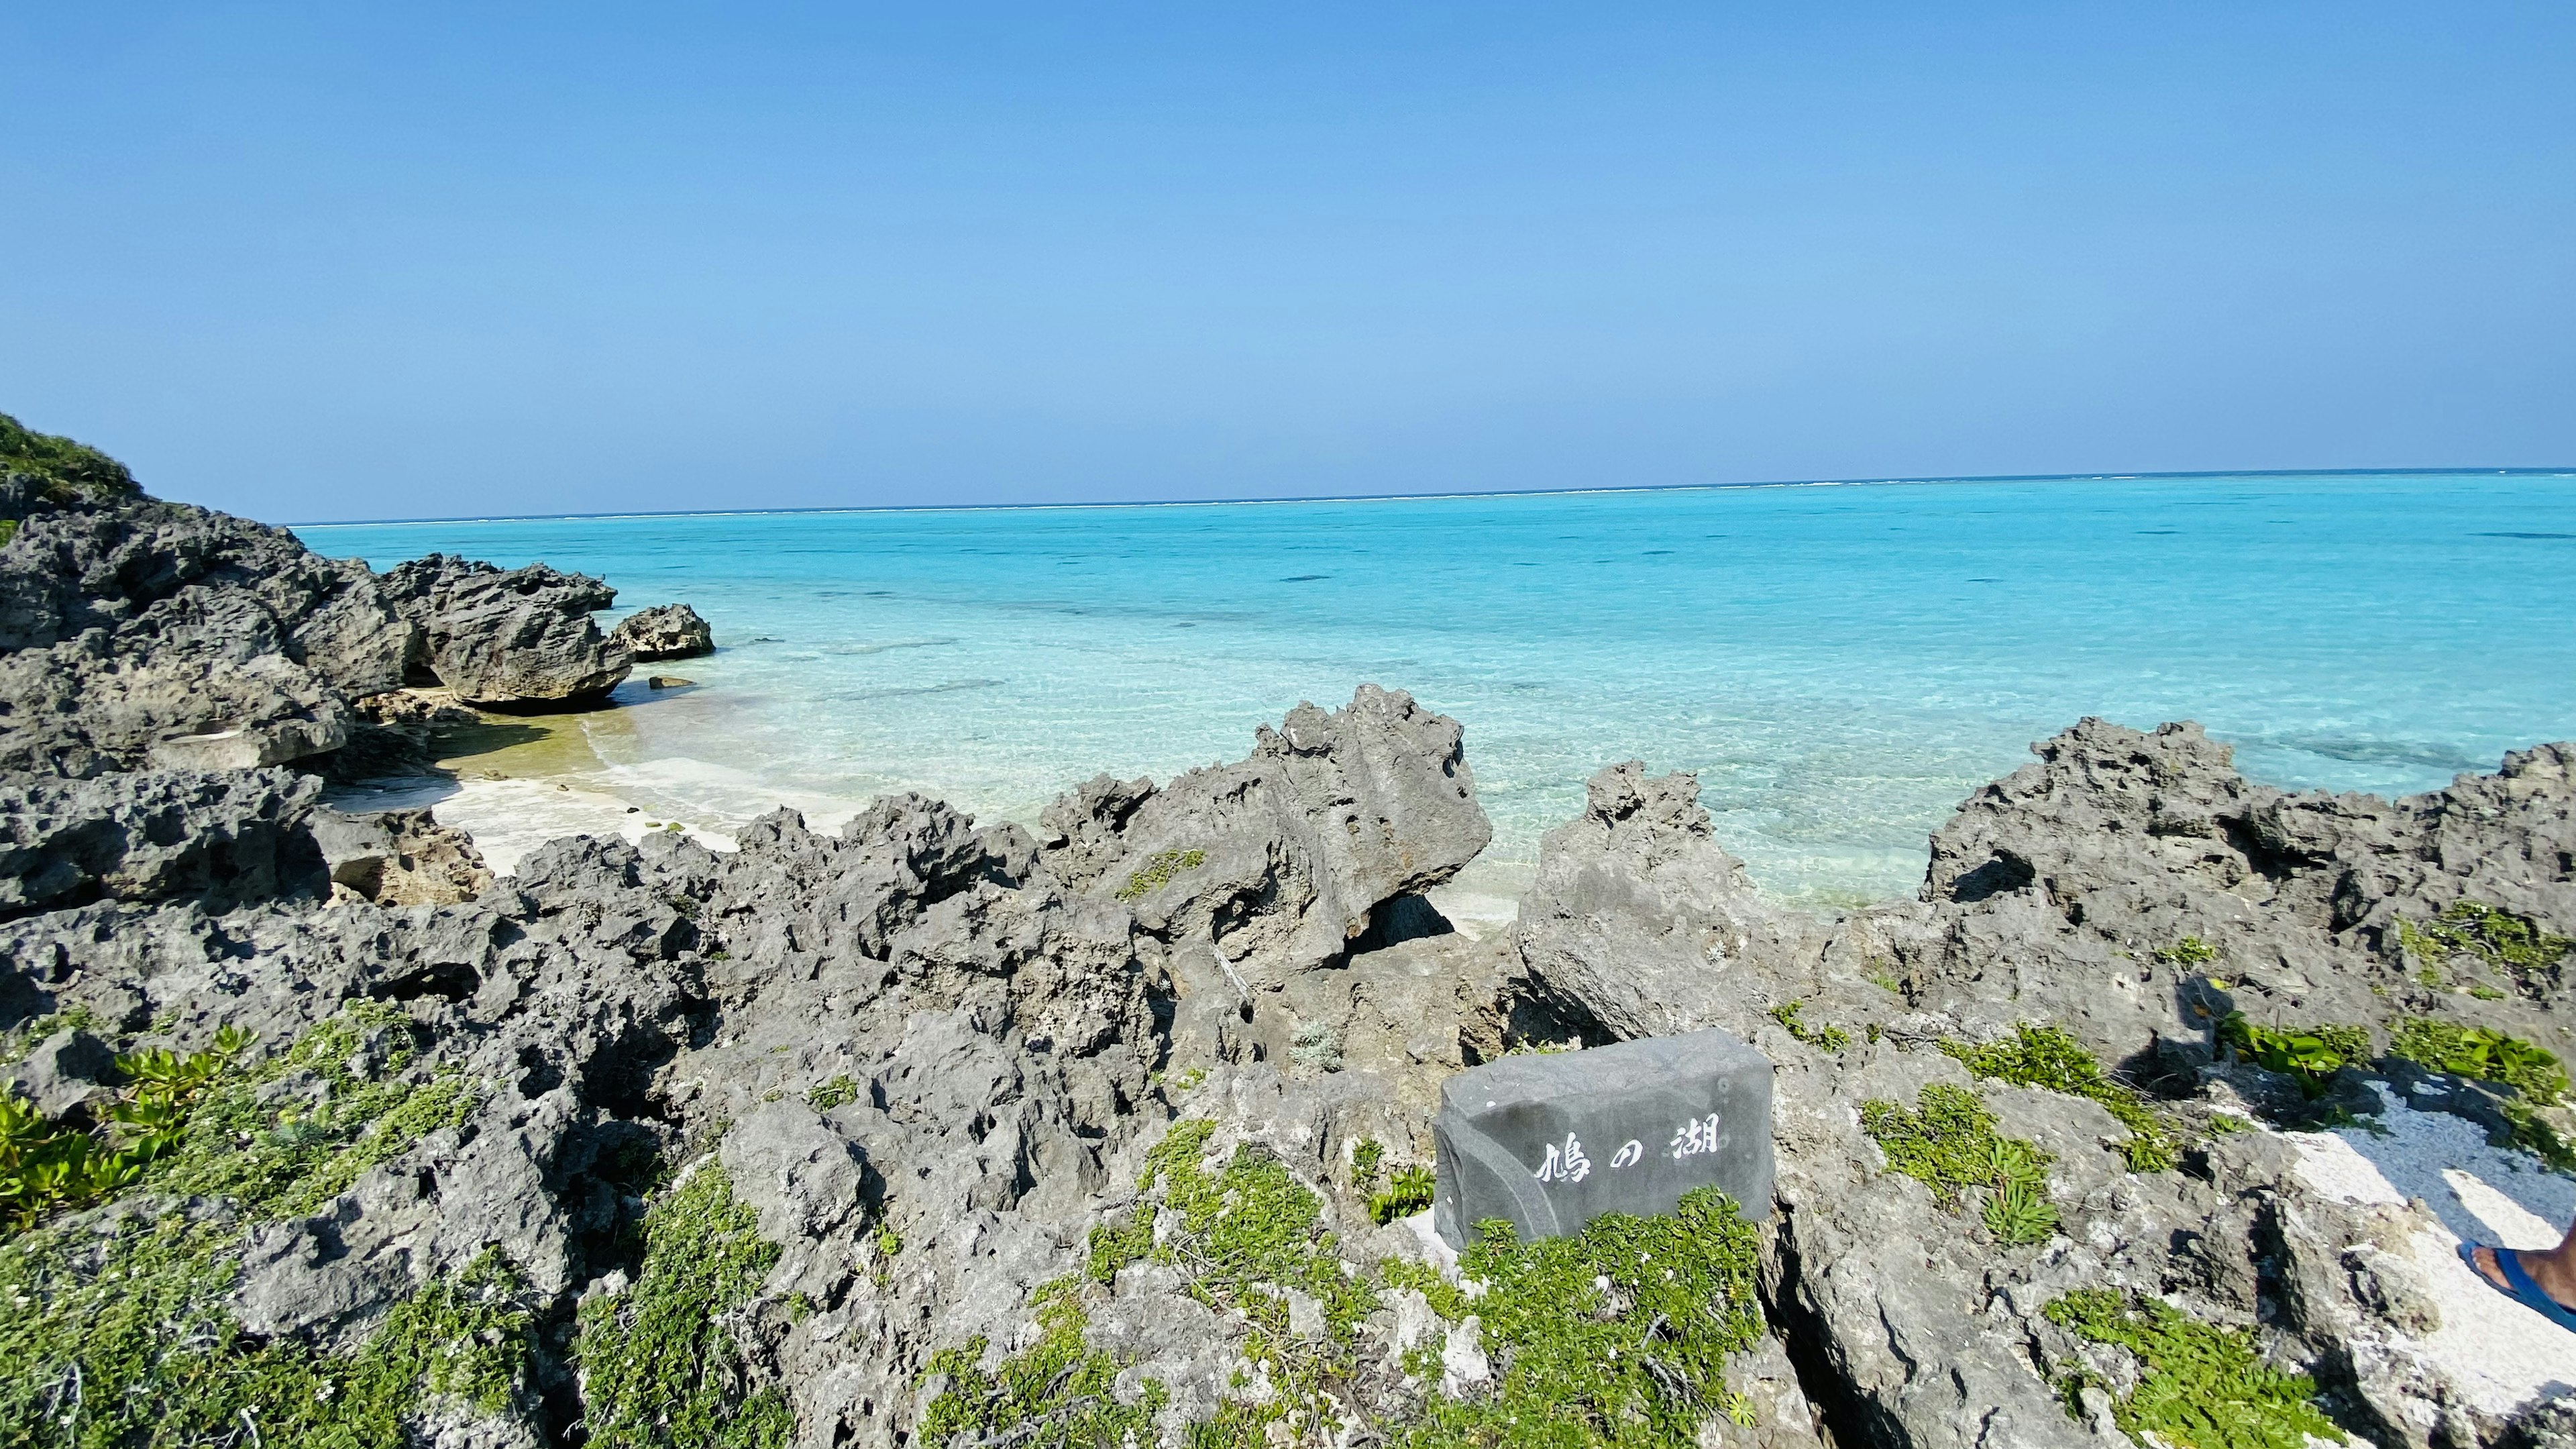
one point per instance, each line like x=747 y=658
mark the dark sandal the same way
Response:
x=2518 y=1286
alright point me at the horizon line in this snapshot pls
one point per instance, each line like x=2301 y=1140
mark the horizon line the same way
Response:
x=1867 y=482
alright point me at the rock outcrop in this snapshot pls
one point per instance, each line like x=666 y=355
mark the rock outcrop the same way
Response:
x=143 y=633
x=2129 y=891
x=508 y=637
x=666 y=631
x=926 y=1131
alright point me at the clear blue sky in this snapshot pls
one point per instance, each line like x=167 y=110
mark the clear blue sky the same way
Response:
x=345 y=261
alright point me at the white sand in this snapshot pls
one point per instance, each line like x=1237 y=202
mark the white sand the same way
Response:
x=2501 y=1354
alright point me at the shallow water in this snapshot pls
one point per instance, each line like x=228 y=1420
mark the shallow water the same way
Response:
x=1841 y=664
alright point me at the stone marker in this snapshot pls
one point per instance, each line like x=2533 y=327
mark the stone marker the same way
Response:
x=1553 y=1140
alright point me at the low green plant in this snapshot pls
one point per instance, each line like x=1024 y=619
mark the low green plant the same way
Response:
x=1825 y=1038
x=65 y=471
x=2309 y=1056
x=2480 y=1052
x=2199 y=1386
x=47 y=1165
x=291 y=1155
x=122 y=1334
x=1158 y=871
x=1885 y=980
x=1367 y=1155
x=2531 y=1075
x=1410 y=1191
x=2517 y=945
x=1057 y=1391
x=2049 y=1058
x=838 y=1092
x=1949 y=1144
x=2189 y=951
x=1617 y=1336
x=659 y=1365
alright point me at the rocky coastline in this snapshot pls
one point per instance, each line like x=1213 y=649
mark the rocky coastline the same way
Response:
x=1115 y=1130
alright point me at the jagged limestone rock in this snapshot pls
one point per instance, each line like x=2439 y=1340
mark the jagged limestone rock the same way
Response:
x=520 y=636
x=666 y=631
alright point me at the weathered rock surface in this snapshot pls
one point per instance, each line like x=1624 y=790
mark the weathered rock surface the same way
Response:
x=520 y=636
x=2059 y=897
x=935 y=1062
x=1277 y=862
x=145 y=633
x=666 y=631
x=219 y=838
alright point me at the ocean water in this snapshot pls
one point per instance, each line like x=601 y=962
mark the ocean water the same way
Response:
x=1839 y=664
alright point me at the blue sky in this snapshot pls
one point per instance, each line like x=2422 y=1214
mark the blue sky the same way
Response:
x=346 y=261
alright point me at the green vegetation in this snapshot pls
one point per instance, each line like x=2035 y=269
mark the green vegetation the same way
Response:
x=121 y=1332
x=2200 y=1387
x=2189 y=951
x=2310 y=1055
x=658 y=1361
x=1950 y=1144
x=1884 y=979
x=1054 y=1392
x=66 y=471
x=2532 y=1076
x=1827 y=1038
x=838 y=1092
x=1366 y=1156
x=128 y=1338
x=281 y=1153
x=46 y=1165
x=2047 y=1057
x=1158 y=872
x=2516 y=946
x=1409 y=1193
x=1618 y=1336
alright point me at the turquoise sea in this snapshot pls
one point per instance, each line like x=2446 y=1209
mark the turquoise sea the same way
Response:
x=1839 y=663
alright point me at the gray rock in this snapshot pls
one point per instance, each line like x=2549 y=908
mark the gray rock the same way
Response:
x=218 y=838
x=520 y=636
x=64 y=1074
x=145 y=632
x=1551 y=1141
x=666 y=631
x=803 y=1178
x=398 y=857
x=1280 y=861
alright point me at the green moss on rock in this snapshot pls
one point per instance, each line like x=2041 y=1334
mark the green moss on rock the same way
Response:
x=1159 y=871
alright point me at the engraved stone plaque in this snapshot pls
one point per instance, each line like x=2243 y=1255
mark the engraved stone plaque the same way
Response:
x=1553 y=1140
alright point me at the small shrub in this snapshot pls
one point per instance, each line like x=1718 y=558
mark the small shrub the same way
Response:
x=659 y=1366
x=2189 y=951
x=2532 y=1076
x=1410 y=1192
x=1949 y=1144
x=1828 y=1038
x=2309 y=1056
x=838 y=1092
x=1617 y=1336
x=1056 y=1391
x=1158 y=871
x=2047 y=1057
x=1366 y=1155
x=1317 y=1046
x=65 y=471
x=2199 y=1386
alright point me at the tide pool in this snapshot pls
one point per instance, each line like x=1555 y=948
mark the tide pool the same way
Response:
x=1841 y=664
